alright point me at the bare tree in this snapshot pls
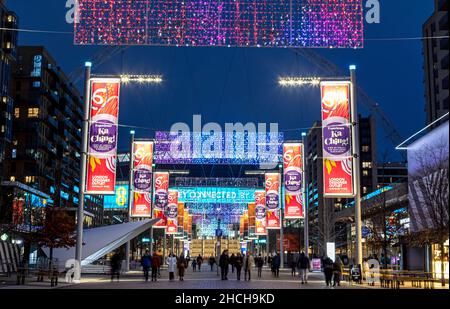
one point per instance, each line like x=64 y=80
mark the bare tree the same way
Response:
x=431 y=177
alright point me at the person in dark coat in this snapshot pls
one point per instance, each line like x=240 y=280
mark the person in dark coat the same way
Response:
x=238 y=263
x=199 y=262
x=259 y=264
x=224 y=261
x=276 y=263
x=328 y=270
x=303 y=267
x=156 y=263
x=116 y=265
x=212 y=261
x=146 y=262
x=181 y=265
x=232 y=262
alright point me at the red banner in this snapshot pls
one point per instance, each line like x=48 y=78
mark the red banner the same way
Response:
x=273 y=213
x=142 y=179
x=293 y=180
x=260 y=212
x=172 y=213
x=337 y=140
x=161 y=199
x=102 y=136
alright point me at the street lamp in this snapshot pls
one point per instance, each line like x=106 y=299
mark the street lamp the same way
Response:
x=125 y=79
x=315 y=81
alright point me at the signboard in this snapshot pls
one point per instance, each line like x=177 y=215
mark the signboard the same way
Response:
x=331 y=250
x=338 y=174
x=120 y=198
x=260 y=213
x=316 y=265
x=102 y=136
x=172 y=213
x=237 y=23
x=293 y=180
x=161 y=198
x=219 y=195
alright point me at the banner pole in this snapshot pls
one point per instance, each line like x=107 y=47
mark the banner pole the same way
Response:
x=130 y=176
x=84 y=150
x=305 y=199
x=356 y=165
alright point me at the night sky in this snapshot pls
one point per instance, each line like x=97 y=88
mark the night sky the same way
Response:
x=240 y=84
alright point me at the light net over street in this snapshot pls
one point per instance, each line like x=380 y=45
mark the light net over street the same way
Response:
x=241 y=23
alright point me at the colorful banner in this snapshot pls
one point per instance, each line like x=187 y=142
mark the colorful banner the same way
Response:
x=161 y=198
x=142 y=205
x=241 y=226
x=172 y=213
x=251 y=221
x=141 y=179
x=336 y=140
x=293 y=180
x=260 y=213
x=190 y=225
x=102 y=136
x=142 y=166
x=180 y=230
x=246 y=224
x=120 y=198
x=273 y=213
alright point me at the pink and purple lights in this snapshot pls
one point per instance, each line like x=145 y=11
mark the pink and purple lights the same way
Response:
x=233 y=23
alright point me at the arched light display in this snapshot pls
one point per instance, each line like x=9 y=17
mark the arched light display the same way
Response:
x=245 y=23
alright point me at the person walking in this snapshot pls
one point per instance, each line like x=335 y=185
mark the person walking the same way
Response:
x=224 y=261
x=199 y=262
x=232 y=262
x=338 y=267
x=238 y=262
x=212 y=261
x=276 y=264
x=146 y=262
x=293 y=264
x=304 y=267
x=248 y=264
x=259 y=264
x=171 y=265
x=181 y=265
x=328 y=270
x=194 y=265
x=116 y=265
x=156 y=263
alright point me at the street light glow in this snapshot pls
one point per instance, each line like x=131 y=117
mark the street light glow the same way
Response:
x=141 y=79
x=298 y=81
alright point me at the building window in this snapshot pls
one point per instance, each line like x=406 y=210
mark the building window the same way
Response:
x=367 y=164
x=37 y=84
x=37 y=66
x=30 y=179
x=33 y=112
x=12 y=178
x=17 y=112
x=14 y=153
x=365 y=190
x=2 y=129
x=365 y=173
x=365 y=148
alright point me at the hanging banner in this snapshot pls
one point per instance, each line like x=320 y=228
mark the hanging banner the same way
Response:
x=293 y=180
x=246 y=224
x=161 y=199
x=338 y=175
x=251 y=221
x=190 y=225
x=172 y=213
x=142 y=205
x=186 y=220
x=141 y=179
x=273 y=212
x=102 y=136
x=142 y=166
x=180 y=230
x=241 y=226
x=260 y=213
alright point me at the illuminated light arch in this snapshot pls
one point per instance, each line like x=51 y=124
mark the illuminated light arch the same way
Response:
x=230 y=23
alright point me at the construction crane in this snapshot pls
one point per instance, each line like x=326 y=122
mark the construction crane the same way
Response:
x=328 y=68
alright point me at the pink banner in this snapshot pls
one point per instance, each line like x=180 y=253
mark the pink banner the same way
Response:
x=337 y=140
x=172 y=213
x=161 y=199
x=142 y=205
x=273 y=212
x=293 y=180
x=142 y=179
x=102 y=136
x=260 y=212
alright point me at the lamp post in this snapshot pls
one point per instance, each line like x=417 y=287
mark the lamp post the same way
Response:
x=315 y=81
x=130 y=199
x=305 y=201
x=125 y=79
x=84 y=146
